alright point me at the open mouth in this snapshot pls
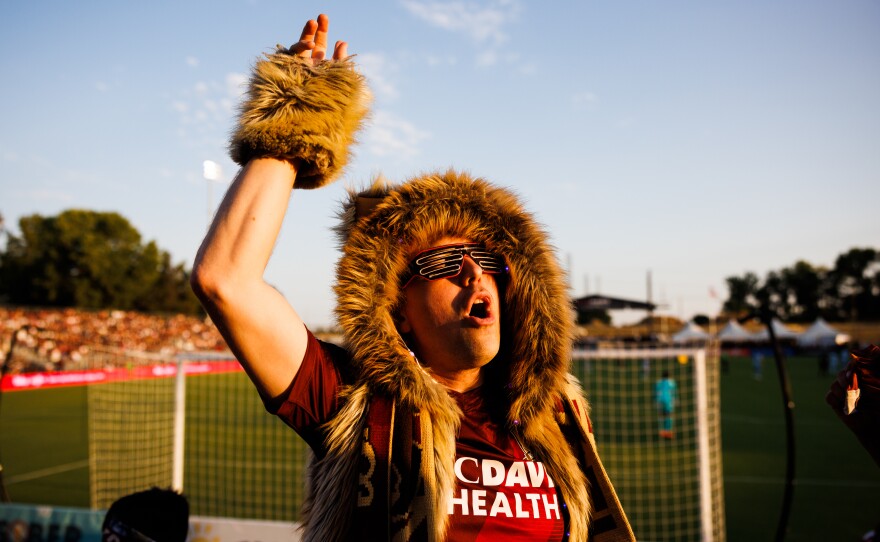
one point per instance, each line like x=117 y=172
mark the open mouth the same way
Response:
x=480 y=309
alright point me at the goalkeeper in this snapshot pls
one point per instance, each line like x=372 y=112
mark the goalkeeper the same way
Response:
x=664 y=396
x=450 y=413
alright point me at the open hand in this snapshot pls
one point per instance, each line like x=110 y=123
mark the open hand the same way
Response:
x=312 y=44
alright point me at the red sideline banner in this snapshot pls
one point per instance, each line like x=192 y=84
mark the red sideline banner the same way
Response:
x=57 y=379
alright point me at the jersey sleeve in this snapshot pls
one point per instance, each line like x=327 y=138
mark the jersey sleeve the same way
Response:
x=312 y=397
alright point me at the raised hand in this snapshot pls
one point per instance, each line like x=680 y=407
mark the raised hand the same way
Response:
x=312 y=44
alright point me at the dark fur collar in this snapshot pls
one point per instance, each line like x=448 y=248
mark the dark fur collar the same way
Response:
x=537 y=315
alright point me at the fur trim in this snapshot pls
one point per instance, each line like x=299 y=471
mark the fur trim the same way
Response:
x=296 y=111
x=537 y=319
x=532 y=367
x=334 y=478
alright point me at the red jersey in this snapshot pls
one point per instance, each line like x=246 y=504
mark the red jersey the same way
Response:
x=499 y=495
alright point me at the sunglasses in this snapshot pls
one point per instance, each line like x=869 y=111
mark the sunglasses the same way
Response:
x=447 y=260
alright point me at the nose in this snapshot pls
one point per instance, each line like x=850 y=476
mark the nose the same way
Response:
x=470 y=271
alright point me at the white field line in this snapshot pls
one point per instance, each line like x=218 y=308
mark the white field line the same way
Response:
x=736 y=418
x=47 y=472
x=762 y=480
x=758 y=480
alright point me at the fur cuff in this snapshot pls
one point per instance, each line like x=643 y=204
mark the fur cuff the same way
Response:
x=295 y=111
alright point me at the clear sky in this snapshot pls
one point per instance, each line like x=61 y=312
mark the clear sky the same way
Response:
x=696 y=139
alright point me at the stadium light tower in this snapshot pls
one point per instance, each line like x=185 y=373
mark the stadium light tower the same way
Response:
x=212 y=173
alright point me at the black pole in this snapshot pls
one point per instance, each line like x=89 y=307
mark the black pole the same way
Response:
x=788 y=407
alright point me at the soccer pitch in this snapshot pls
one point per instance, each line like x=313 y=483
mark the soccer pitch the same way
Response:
x=835 y=494
x=229 y=460
x=44 y=448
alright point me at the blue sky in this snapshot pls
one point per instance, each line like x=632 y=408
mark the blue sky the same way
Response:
x=695 y=139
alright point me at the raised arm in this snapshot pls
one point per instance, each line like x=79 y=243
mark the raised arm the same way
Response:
x=259 y=325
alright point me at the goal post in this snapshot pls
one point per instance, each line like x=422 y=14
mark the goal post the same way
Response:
x=197 y=425
x=130 y=428
x=664 y=459
x=185 y=420
x=241 y=462
x=179 y=426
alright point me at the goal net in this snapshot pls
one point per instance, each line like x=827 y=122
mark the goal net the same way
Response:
x=209 y=434
x=131 y=430
x=206 y=433
x=660 y=438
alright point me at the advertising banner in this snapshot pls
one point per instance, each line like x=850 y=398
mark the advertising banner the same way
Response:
x=55 y=379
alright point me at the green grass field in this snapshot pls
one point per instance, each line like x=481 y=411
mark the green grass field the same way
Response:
x=43 y=446
x=836 y=494
x=43 y=442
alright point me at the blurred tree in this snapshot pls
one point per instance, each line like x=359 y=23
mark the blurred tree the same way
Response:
x=773 y=295
x=802 y=284
x=171 y=292
x=741 y=294
x=855 y=280
x=802 y=292
x=87 y=259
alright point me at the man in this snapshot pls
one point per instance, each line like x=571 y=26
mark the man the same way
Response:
x=450 y=414
x=664 y=396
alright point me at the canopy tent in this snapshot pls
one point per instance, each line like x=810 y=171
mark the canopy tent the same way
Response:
x=734 y=333
x=691 y=332
x=779 y=329
x=820 y=334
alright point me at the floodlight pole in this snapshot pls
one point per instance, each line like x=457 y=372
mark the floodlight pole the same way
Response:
x=211 y=172
x=209 y=182
x=650 y=308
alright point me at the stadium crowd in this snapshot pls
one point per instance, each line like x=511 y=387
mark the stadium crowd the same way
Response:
x=67 y=339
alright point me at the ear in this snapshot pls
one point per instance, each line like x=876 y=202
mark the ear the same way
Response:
x=403 y=325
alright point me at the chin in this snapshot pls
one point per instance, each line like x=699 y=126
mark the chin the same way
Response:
x=482 y=352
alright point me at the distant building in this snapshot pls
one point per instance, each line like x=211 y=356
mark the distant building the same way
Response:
x=604 y=302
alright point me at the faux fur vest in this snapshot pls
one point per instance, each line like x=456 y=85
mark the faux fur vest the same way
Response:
x=394 y=396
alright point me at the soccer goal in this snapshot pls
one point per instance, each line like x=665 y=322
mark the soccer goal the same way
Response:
x=130 y=429
x=195 y=424
x=660 y=438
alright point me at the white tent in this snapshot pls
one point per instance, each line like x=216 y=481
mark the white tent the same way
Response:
x=734 y=333
x=779 y=330
x=690 y=332
x=822 y=335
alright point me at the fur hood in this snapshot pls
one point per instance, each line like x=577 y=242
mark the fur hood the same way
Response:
x=527 y=378
x=537 y=318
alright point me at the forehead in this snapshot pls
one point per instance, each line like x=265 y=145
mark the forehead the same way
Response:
x=435 y=242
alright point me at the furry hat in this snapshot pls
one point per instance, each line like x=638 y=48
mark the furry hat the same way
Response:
x=378 y=229
x=537 y=315
x=297 y=111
